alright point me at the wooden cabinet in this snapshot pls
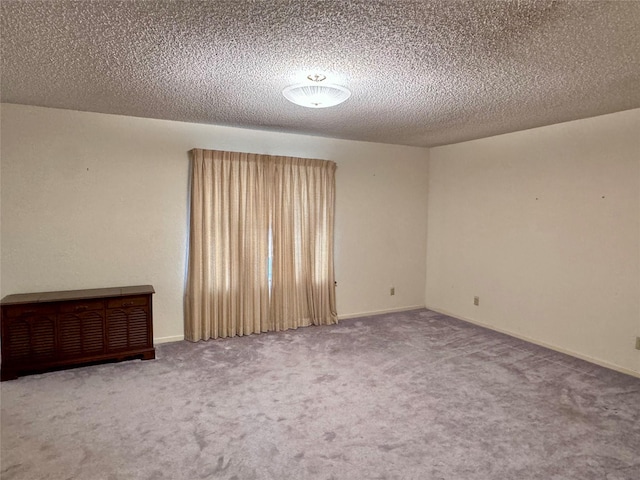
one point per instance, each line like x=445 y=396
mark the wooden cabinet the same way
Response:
x=51 y=330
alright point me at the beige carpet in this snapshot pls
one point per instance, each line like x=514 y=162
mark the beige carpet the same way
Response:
x=412 y=395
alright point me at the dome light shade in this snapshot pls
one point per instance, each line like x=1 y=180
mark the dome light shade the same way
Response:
x=316 y=96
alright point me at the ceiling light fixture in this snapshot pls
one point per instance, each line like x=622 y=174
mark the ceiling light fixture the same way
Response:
x=316 y=94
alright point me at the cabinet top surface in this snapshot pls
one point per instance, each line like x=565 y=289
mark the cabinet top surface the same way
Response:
x=68 y=295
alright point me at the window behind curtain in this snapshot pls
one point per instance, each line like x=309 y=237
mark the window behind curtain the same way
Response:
x=261 y=244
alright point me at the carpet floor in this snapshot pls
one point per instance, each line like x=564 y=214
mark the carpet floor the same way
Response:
x=411 y=395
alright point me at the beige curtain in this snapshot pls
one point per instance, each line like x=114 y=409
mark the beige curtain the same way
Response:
x=246 y=209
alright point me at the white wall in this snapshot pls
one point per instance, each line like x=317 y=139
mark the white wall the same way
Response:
x=91 y=200
x=544 y=226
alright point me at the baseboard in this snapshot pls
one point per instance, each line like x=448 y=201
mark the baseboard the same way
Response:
x=586 y=358
x=379 y=312
x=175 y=338
x=178 y=338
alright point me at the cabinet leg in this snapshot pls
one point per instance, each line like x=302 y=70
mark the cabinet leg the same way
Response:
x=7 y=374
x=149 y=355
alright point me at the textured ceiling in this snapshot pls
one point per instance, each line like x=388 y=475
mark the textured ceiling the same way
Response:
x=421 y=73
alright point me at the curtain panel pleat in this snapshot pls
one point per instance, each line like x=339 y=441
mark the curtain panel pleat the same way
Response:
x=248 y=208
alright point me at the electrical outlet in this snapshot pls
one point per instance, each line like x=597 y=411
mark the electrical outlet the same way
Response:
x=637 y=343
x=392 y=291
x=476 y=300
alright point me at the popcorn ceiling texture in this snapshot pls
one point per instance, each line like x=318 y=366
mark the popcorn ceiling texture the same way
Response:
x=421 y=73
